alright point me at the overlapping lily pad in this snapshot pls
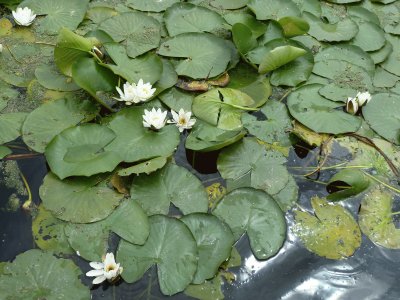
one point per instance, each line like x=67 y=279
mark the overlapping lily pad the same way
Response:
x=172 y=184
x=10 y=126
x=270 y=9
x=151 y=5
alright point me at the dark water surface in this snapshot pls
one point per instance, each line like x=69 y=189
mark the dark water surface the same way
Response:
x=294 y=273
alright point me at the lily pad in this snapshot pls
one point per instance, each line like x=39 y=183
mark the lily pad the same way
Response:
x=51 y=118
x=271 y=9
x=134 y=142
x=293 y=26
x=370 y=36
x=256 y=213
x=383 y=53
x=382 y=114
x=214 y=243
x=175 y=272
x=78 y=200
x=384 y=79
x=186 y=17
x=129 y=221
x=48 y=233
x=10 y=126
x=81 y=151
x=243 y=38
x=257 y=28
x=43 y=276
x=229 y=4
x=319 y=114
x=151 y=5
x=332 y=232
x=392 y=63
x=138 y=32
x=50 y=78
x=59 y=13
x=207 y=53
x=355 y=180
x=174 y=184
x=278 y=57
x=4 y=151
x=376 y=219
x=147 y=167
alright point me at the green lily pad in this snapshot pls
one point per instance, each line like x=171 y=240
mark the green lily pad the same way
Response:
x=43 y=276
x=49 y=77
x=287 y=197
x=319 y=114
x=10 y=126
x=4 y=151
x=344 y=30
x=392 y=63
x=209 y=290
x=376 y=219
x=129 y=221
x=384 y=79
x=257 y=28
x=382 y=114
x=243 y=38
x=370 y=36
x=51 y=118
x=229 y=4
x=151 y=5
x=138 y=32
x=78 y=200
x=175 y=272
x=168 y=77
x=176 y=99
x=207 y=53
x=256 y=213
x=278 y=57
x=81 y=151
x=174 y=184
x=312 y=6
x=205 y=137
x=186 y=17
x=382 y=54
x=277 y=126
x=363 y=13
x=148 y=67
x=293 y=26
x=214 y=243
x=222 y=107
x=356 y=181
x=48 y=233
x=59 y=14
x=332 y=232
x=271 y=9
x=130 y=132
x=147 y=167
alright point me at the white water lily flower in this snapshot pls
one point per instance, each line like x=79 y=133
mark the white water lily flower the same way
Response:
x=129 y=94
x=108 y=269
x=363 y=98
x=144 y=91
x=182 y=119
x=352 y=105
x=1 y=48
x=154 y=119
x=23 y=16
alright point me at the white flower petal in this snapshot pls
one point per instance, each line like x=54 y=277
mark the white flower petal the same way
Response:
x=109 y=259
x=94 y=273
x=96 y=265
x=99 y=279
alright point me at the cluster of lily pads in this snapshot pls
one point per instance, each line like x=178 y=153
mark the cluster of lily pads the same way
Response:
x=258 y=76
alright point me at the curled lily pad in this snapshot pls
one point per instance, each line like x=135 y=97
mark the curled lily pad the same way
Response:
x=214 y=242
x=173 y=184
x=293 y=26
x=355 y=182
x=256 y=213
x=278 y=57
x=147 y=167
x=376 y=219
x=81 y=151
x=332 y=232
x=35 y=274
x=129 y=221
x=78 y=200
x=175 y=272
x=51 y=118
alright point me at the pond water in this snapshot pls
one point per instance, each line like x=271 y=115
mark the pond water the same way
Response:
x=294 y=273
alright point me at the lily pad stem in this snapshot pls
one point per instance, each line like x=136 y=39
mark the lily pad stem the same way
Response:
x=27 y=204
x=285 y=95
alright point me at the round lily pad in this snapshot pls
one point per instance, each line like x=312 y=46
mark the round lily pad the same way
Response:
x=319 y=114
x=214 y=241
x=382 y=114
x=39 y=275
x=151 y=5
x=51 y=118
x=370 y=36
x=175 y=272
x=78 y=200
x=256 y=213
x=381 y=54
x=173 y=184
x=130 y=133
x=271 y=9
x=50 y=78
x=81 y=151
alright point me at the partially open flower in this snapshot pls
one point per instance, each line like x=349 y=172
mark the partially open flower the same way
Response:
x=363 y=98
x=154 y=119
x=108 y=269
x=129 y=94
x=182 y=120
x=144 y=91
x=23 y=16
x=352 y=105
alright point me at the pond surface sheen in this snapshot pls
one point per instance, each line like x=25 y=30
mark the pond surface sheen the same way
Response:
x=294 y=273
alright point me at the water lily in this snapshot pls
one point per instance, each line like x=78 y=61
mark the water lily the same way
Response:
x=144 y=91
x=182 y=119
x=108 y=269
x=363 y=98
x=1 y=48
x=154 y=119
x=23 y=16
x=352 y=105
x=129 y=94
